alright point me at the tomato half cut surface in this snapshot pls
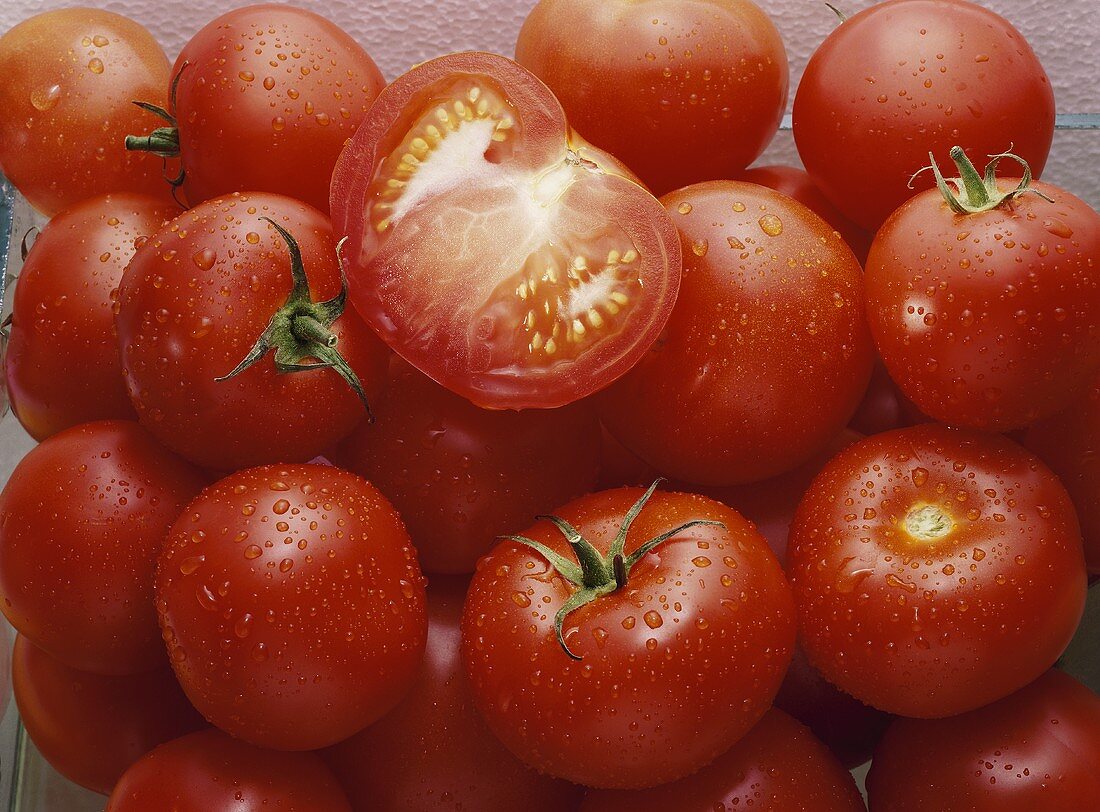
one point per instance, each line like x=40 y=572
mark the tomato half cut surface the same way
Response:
x=489 y=248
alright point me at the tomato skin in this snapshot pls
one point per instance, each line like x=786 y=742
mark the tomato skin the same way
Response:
x=292 y=605
x=460 y=476
x=62 y=362
x=433 y=751
x=447 y=276
x=635 y=711
x=778 y=766
x=212 y=772
x=175 y=344
x=91 y=727
x=935 y=621
x=1036 y=749
x=681 y=92
x=791 y=353
x=992 y=320
x=246 y=125
x=951 y=70
x=99 y=62
x=81 y=521
x=1070 y=444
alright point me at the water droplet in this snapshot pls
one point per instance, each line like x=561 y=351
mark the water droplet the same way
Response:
x=601 y=636
x=246 y=76
x=243 y=626
x=700 y=247
x=771 y=225
x=653 y=619
x=978 y=554
x=286 y=565
x=46 y=98
x=259 y=652
x=95 y=65
x=280 y=507
x=269 y=83
x=981 y=58
x=920 y=476
x=1058 y=228
x=847 y=582
x=628 y=622
x=191 y=563
x=739 y=207
x=684 y=208
x=521 y=600
x=206 y=598
x=252 y=551
x=252 y=238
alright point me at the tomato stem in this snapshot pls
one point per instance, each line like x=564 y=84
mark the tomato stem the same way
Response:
x=973 y=193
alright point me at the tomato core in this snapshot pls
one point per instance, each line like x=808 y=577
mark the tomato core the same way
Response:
x=928 y=523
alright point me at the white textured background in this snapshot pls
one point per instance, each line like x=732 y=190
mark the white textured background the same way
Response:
x=399 y=33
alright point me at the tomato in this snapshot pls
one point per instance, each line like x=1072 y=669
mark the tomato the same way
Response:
x=62 y=361
x=81 y=520
x=619 y=466
x=460 y=476
x=908 y=77
x=682 y=92
x=935 y=570
x=433 y=751
x=292 y=605
x=1036 y=749
x=635 y=685
x=987 y=311
x=767 y=353
x=489 y=252
x=208 y=291
x=211 y=772
x=264 y=98
x=1070 y=444
x=65 y=106
x=91 y=727
x=777 y=767
x=797 y=183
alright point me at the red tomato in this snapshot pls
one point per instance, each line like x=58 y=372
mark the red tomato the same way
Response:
x=935 y=570
x=211 y=772
x=433 y=751
x=620 y=467
x=265 y=97
x=1038 y=749
x=489 y=252
x=62 y=362
x=292 y=605
x=988 y=315
x=81 y=520
x=682 y=92
x=777 y=767
x=767 y=353
x=909 y=77
x=797 y=183
x=635 y=685
x=65 y=106
x=1070 y=444
x=461 y=476
x=90 y=727
x=194 y=302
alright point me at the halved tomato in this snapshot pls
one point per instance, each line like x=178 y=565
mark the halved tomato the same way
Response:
x=490 y=246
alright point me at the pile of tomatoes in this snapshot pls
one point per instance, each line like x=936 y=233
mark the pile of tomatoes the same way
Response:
x=399 y=449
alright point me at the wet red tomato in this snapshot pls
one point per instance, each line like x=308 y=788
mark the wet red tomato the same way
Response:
x=91 y=727
x=935 y=570
x=81 y=521
x=433 y=751
x=292 y=605
x=62 y=362
x=767 y=353
x=635 y=673
x=212 y=772
x=777 y=767
x=1038 y=749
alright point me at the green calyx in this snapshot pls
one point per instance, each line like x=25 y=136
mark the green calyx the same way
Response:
x=596 y=575
x=299 y=330
x=163 y=142
x=973 y=193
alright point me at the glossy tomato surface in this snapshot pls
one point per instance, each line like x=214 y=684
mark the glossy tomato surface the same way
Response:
x=1070 y=444
x=489 y=248
x=988 y=320
x=212 y=772
x=62 y=362
x=460 y=476
x=682 y=92
x=192 y=304
x=267 y=96
x=70 y=77
x=1038 y=749
x=82 y=519
x=292 y=605
x=433 y=751
x=777 y=767
x=767 y=353
x=92 y=727
x=674 y=667
x=908 y=77
x=935 y=570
